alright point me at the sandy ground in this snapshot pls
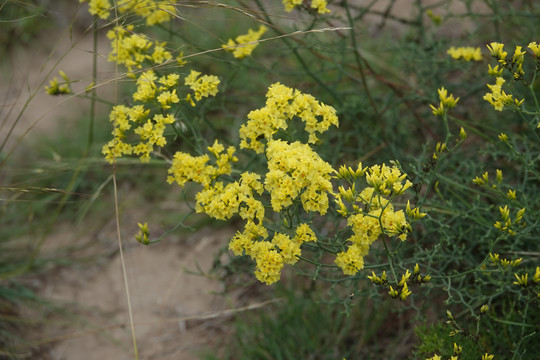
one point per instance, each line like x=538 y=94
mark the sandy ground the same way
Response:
x=26 y=107
x=176 y=314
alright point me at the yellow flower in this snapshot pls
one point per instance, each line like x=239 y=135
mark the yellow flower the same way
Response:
x=128 y=48
x=146 y=87
x=244 y=45
x=405 y=292
x=495 y=71
x=387 y=180
x=350 y=261
x=169 y=81
x=269 y=262
x=536 y=276
x=293 y=169
x=204 y=86
x=55 y=88
x=467 y=53
x=393 y=292
x=154 y=11
x=99 y=7
x=404 y=278
x=144 y=234
x=462 y=133
x=166 y=98
x=304 y=234
x=496 y=50
x=499 y=175
x=498 y=98
x=319 y=5
x=160 y=55
x=535 y=49
x=283 y=104
x=517 y=61
x=190 y=168
x=446 y=103
x=289 y=250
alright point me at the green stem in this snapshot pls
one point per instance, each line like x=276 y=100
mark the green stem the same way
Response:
x=522 y=334
x=94 y=87
x=390 y=260
x=300 y=59
x=447 y=134
x=358 y=59
x=532 y=128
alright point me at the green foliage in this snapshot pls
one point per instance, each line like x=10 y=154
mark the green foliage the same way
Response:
x=299 y=326
x=434 y=339
x=22 y=21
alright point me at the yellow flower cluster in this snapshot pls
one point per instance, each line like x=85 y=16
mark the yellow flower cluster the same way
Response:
x=387 y=180
x=270 y=256
x=515 y=65
x=446 y=102
x=150 y=132
x=295 y=172
x=222 y=201
x=132 y=49
x=282 y=104
x=467 y=53
x=502 y=262
x=457 y=352
x=56 y=88
x=204 y=86
x=154 y=11
x=498 y=98
x=194 y=168
x=495 y=71
x=497 y=51
x=506 y=224
x=370 y=213
x=153 y=91
x=244 y=45
x=484 y=181
x=137 y=118
x=100 y=8
x=319 y=5
x=402 y=289
x=535 y=48
x=295 y=169
x=144 y=234
x=517 y=62
x=402 y=292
